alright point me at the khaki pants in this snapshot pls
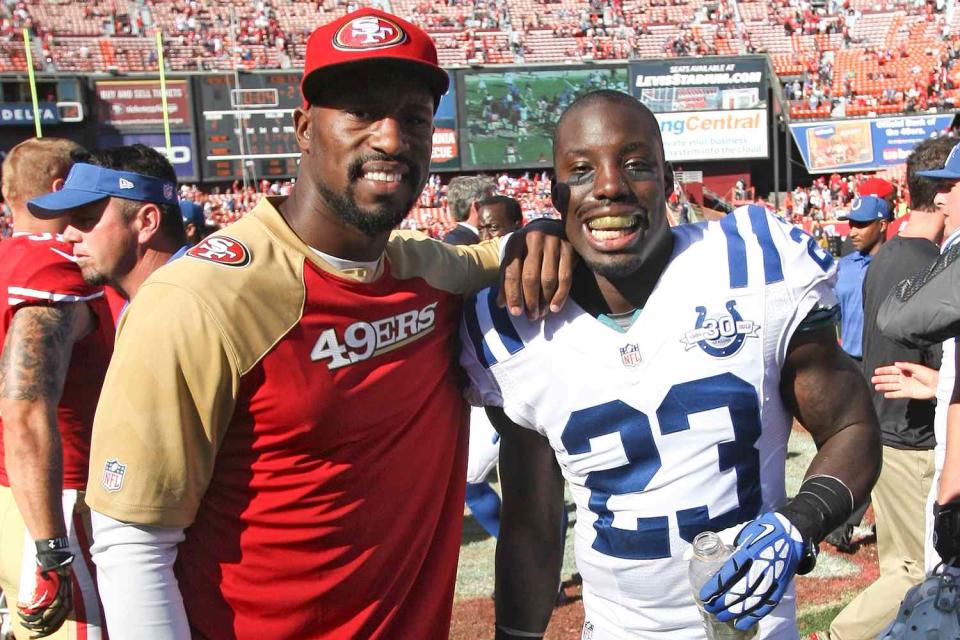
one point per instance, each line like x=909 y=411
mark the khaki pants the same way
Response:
x=85 y=623
x=899 y=504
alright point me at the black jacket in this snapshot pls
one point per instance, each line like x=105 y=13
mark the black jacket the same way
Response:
x=924 y=309
x=461 y=234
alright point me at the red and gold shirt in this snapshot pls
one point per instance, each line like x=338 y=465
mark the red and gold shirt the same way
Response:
x=306 y=426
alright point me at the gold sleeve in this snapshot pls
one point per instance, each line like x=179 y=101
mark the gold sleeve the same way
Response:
x=458 y=269
x=167 y=399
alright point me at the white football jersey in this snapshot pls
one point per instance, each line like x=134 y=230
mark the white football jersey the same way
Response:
x=483 y=451
x=671 y=428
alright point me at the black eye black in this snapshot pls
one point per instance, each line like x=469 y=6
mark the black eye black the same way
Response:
x=580 y=174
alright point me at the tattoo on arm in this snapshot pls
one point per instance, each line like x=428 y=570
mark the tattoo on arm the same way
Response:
x=36 y=353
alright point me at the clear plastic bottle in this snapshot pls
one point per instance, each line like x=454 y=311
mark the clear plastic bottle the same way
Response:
x=709 y=554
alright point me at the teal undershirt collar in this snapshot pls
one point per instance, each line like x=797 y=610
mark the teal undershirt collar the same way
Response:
x=620 y=321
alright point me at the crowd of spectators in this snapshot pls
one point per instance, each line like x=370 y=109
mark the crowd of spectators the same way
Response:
x=930 y=88
x=813 y=205
x=223 y=205
x=840 y=62
x=827 y=197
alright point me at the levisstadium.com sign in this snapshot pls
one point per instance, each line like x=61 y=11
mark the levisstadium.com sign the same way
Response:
x=708 y=109
x=700 y=84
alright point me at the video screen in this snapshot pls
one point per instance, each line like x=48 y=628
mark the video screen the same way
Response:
x=510 y=116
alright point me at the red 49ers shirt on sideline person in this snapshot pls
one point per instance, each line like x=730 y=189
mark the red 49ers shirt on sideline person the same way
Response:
x=40 y=270
x=305 y=426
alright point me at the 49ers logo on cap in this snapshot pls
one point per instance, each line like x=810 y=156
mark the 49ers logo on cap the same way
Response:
x=369 y=32
x=221 y=250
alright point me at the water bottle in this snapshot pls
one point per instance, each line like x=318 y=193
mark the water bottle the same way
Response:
x=709 y=554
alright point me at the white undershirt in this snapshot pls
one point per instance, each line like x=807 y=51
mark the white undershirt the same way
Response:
x=343 y=264
x=138 y=589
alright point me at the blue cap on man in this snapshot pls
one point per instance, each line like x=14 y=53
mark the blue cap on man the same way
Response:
x=868 y=209
x=88 y=183
x=950 y=170
x=192 y=212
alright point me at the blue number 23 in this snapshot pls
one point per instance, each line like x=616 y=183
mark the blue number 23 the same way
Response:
x=651 y=538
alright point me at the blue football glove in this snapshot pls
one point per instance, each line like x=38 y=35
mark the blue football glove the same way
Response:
x=752 y=581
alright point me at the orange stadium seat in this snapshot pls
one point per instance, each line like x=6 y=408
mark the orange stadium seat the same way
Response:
x=892 y=44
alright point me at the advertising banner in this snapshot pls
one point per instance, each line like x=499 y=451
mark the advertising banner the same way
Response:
x=708 y=108
x=182 y=156
x=862 y=145
x=508 y=116
x=446 y=151
x=138 y=103
x=705 y=84
x=21 y=113
x=714 y=135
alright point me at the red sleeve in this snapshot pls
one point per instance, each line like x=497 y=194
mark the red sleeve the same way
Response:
x=49 y=275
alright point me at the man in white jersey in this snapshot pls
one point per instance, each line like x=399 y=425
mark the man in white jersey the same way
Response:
x=663 y=394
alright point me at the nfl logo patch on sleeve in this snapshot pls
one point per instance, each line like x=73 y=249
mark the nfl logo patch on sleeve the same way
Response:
x=113 y=471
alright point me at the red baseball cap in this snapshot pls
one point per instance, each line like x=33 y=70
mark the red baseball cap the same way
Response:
x=370 y=35
x=875 y=187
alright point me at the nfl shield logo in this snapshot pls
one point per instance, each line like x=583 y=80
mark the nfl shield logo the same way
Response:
x=113 y=472
x=168 y=191
x=630 y=355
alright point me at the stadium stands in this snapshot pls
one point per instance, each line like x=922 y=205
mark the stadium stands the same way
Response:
x=225 y=205
x=818 y=203
x=851 y=58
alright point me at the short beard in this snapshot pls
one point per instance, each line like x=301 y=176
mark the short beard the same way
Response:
x=619 y=269
x=94 y=278
x=369 y=223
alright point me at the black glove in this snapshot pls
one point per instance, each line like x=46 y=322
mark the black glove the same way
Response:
x=52 y=598
x=946 y=532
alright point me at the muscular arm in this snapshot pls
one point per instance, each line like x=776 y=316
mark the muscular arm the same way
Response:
x=530 y=547
x=33 y=367
x=828 y=394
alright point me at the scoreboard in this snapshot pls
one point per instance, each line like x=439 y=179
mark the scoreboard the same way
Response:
x=248 y=126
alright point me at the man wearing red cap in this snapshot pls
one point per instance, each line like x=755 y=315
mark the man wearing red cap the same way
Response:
x=280 y=447
x=884 y=190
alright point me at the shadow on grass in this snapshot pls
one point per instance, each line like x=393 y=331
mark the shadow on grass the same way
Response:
x=472 y=531
x=854 y=546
